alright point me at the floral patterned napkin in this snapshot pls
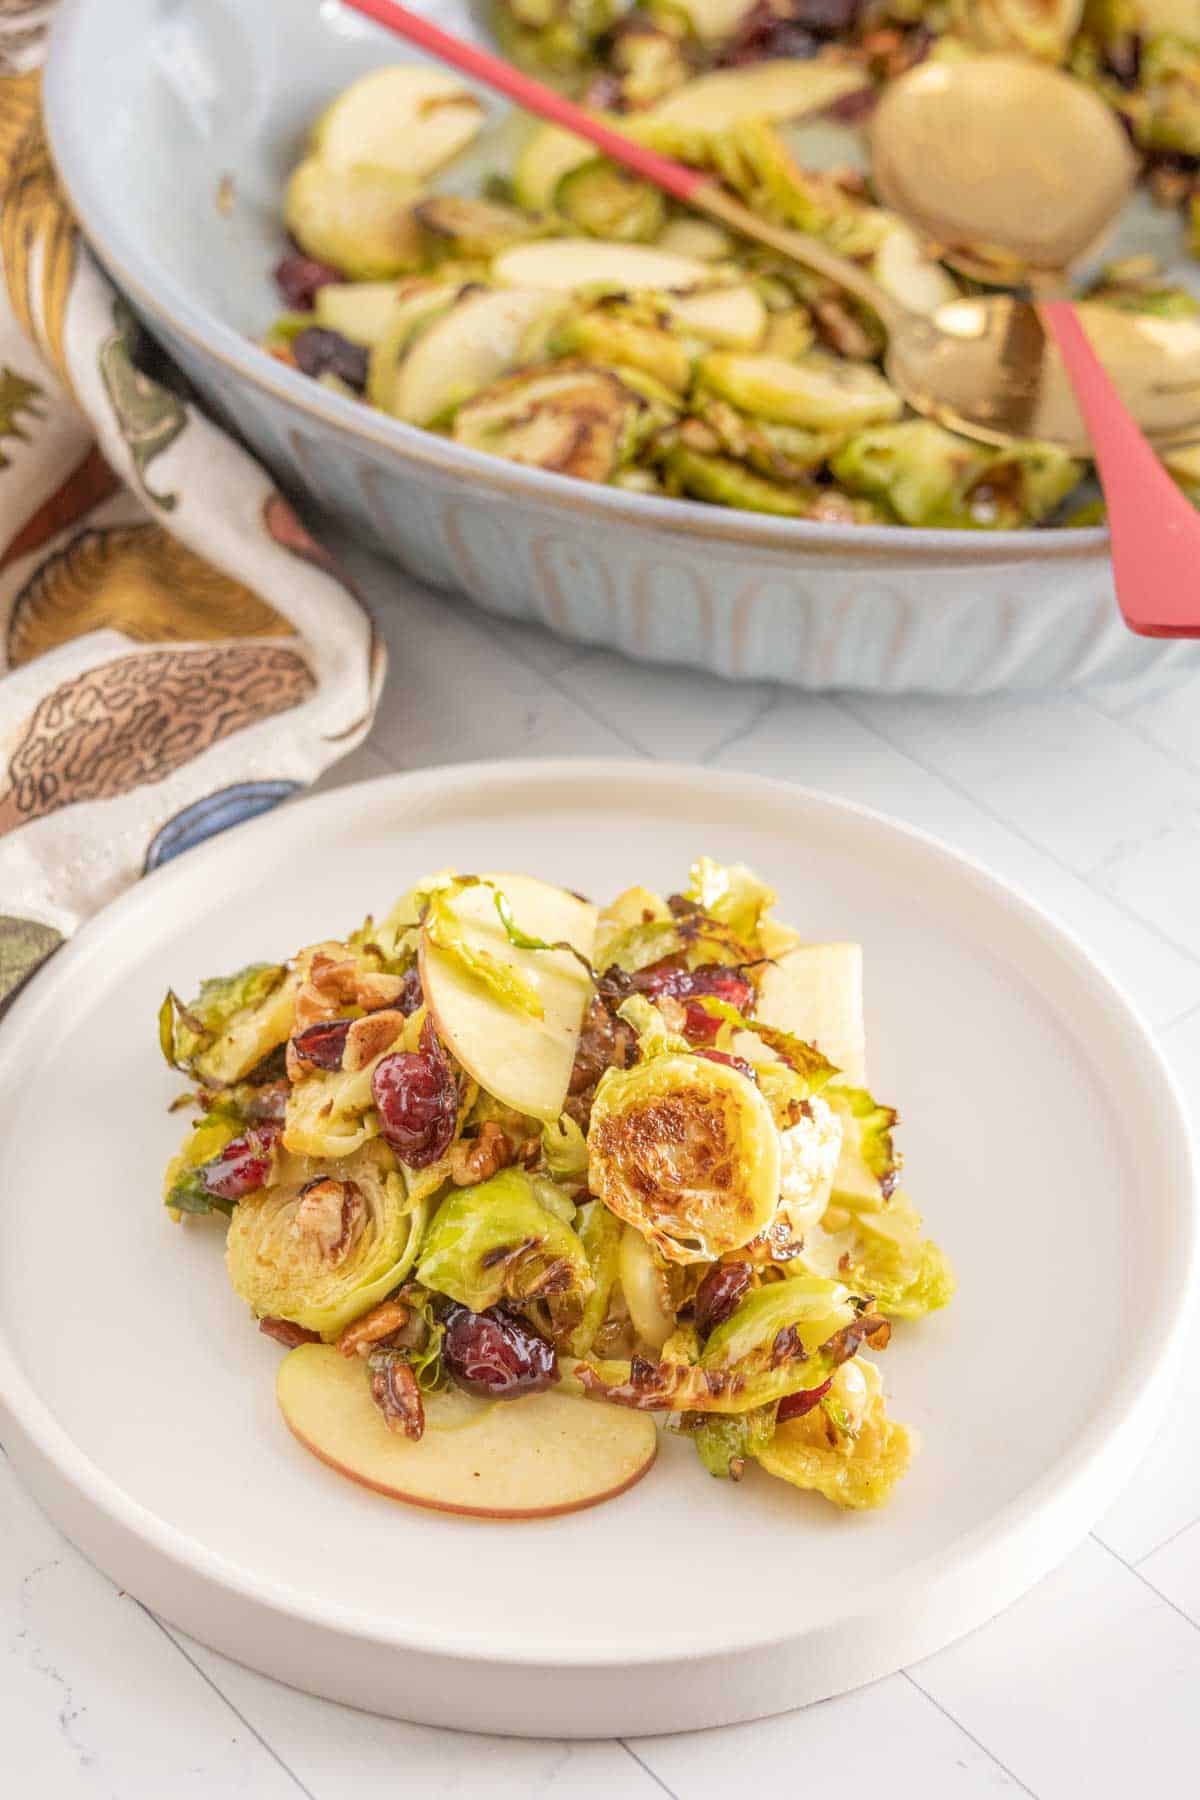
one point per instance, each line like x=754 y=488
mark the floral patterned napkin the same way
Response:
x=176 y=652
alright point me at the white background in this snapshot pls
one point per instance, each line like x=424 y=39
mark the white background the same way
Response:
x=1090 y=802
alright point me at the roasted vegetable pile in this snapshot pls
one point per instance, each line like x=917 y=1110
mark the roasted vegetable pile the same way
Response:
x=498 y=1143
x=570 y=318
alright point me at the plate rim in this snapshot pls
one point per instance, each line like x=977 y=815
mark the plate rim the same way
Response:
x=1125 y=1421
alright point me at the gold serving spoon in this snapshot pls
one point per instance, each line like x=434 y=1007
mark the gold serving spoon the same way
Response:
x=972 y=363
x=1018 y=171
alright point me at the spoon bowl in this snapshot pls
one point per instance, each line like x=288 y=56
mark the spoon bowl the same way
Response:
x=998 y=150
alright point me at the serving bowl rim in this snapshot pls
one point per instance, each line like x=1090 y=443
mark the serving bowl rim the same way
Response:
x=160 y=298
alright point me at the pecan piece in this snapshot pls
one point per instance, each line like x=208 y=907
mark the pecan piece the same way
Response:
x=369 y=1037
x=331 y=1212
x=479 y=1158
x=284 y=1331
x=360 y=1338
x=395 y=1392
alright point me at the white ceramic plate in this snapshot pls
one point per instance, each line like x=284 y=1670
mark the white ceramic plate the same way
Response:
x=1044 y=1143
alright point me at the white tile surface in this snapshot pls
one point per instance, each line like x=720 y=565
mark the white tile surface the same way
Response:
x=1087 y=1687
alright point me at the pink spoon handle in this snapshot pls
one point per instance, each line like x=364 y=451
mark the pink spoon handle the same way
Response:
x=673 y=177
x=1155 y=529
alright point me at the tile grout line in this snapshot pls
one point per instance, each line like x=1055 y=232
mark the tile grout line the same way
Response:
x=978 y=1742
x=1146 y=1555
x=1017 y=831
x=225 y=1700
x=656 y=1779
x=769 y=702
x=623 y=737
x=1145 y=1580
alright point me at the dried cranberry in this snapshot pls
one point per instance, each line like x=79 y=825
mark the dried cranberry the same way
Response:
x=243 y=1165
x=495 y=1354
x=825 y=18
x=412 y=994
x=323 y=1044
x=321 y=352
x=720 y=1294
x=417 y=1099
x=794 y=1406
x=731 y=1062
x=298 y=278
x=672 y=978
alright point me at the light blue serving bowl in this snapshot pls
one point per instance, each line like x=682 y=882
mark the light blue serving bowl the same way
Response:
x=151 y=104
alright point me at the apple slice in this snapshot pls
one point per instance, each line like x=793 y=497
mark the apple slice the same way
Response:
x=481 y=337
x=569 y=264
x=732 y=317
x=788 y=88
x=523 y=1062
x=816 y=992
x=518 y=1459
x=407 y=117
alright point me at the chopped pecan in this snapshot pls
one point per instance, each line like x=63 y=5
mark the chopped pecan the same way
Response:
x=334 y=982
x=285 y=1332
x=395 y=1392
x=479 y=1158
x=369 y=1037
x=331 y=1212
x=841 y=330
x=381 y=1323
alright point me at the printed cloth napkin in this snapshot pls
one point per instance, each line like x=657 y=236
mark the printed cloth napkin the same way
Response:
x=176 y=652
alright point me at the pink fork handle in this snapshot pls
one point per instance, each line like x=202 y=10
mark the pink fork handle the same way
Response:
x=674 y=179
x=1155 y=529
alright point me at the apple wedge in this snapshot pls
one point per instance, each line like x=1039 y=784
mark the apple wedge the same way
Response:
x=481 y=337
x=789 y=88
x=569 y=264
x=407 y=117
x=734 y=318
x=816 y=992
x=518 y=1459
x=525 y=1062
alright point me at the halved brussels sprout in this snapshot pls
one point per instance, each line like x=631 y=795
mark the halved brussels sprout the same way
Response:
x=323 y=1251
x=920 y=469
x=408 y=118
x=359 y=219
x=620 y=334
x=856 y=1467
x=726 y=1442
x=930 y=476
x=686 y=1150
x=476 y=228
x=500 y=1241
x=231 y=1025
x=818 y=391
x=607 y=201
x=572 y=418
x=733 y=894
x=549 y=153
x=883 y=1252
x=782 y=1339
x=724 y=482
